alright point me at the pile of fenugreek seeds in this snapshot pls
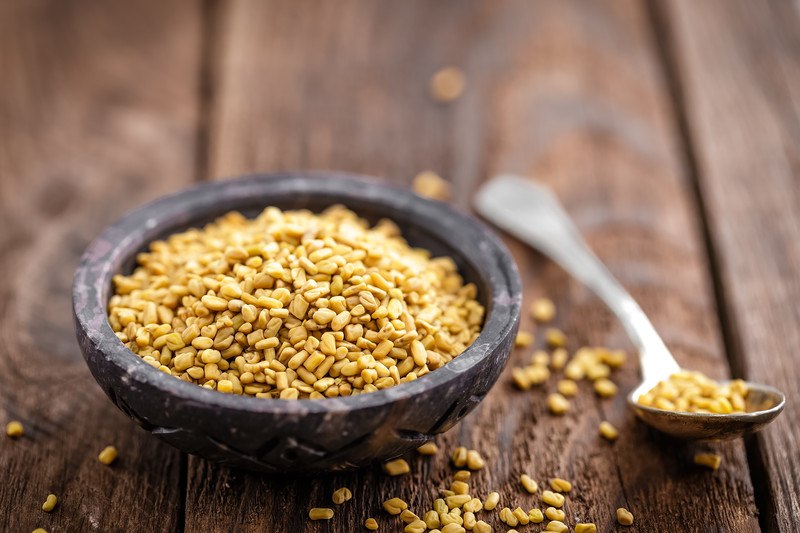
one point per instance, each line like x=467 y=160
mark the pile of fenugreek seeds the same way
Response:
x=694 y=392
x=293 y=304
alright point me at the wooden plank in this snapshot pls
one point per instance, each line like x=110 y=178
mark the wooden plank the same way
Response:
x=98 y=114
x=739 y=68
x=569 y=92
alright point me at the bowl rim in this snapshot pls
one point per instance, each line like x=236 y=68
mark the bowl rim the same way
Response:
x=112 y=247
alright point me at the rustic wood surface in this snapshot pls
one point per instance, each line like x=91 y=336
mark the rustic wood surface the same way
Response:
x=669 y=130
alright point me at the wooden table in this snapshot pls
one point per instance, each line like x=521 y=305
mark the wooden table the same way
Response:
x=670 y=130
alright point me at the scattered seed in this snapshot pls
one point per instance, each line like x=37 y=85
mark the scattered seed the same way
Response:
x=553 y=498
x=624 y=517
x=371 y=524
x=398 y=467
x=482 y=527
x=567 y=388
x=543 y=310
x=560 y=485
x=491 y=501
x=320 y=513
x=430 y=185
x=473 y=506
x=417 y=526
x=395 y=506
x=447 y=84
x=608 y=431
x=408 y=517
x=585 y=528
x=453 y=528
x=555 y=514
x=50 y=503
x=528 y=483
x=507 y=516
x=457 y=500
x=341 y=495
x=429 y=448
x=521 y=516
x=14 y=429
x=555 y=338
x=536 y=516
x=431 y=519
x=108 y=455
x=557 y=525
x=559 y=358
x=474 y=460
x=605 y=388
x=462 y=475
x=39 y=530
x=711 y=460
x=557 y=404
x=524 y=339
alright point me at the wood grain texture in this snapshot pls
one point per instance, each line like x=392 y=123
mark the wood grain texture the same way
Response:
x=97 y=115
x=568 y=92
x=739 y=67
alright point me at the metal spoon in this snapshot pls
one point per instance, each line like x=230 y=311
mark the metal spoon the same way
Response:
x=532 y=213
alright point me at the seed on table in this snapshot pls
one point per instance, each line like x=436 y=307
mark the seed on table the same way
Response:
x=711 y=460
x=451 y=517
x=417 y=526
x=371 y=524
x=457 y=500
x=14 y=429
x=341 y=495
x=474 y=460
x=520 y=378
x=50 y=503
x=528 y=483
x=523 y=340
x=557 y=404
x=473 y=506
x=408 y=516
x=462 y=475
x=540 y=357
x=605 y=388
x=567 y=387
x=320 y=513
x=459 y=457
x=536 y=516
x=440 y=506
x=559 y=358
x=560 y=485
x=537 y=374
x=507 y=516
x=521 y=516
x=39 y=530
x=397 y=467
x=453 y=528
x=624 y=517
x=585 y=528
x=608 y=431
x=431 y=519
x=555 y=514
x=459 y=487
x=491 y=501
x=469 y=520
x=447 y=84
x=429 y=448
x=543 y=310
x=395 y=506
x=556 y=525
x=553 y=498
x=481 y=527
x=108 y=455
x=555 y=338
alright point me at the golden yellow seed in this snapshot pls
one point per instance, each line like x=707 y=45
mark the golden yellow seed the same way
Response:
x=459 y=487
x=469 y=520
x=440 y=506
x=537 y=374
x=528 y=483
x=431 y=519
x=559 y=358
x=457 y=500
x=453 y=528
x=395 y=506
x=320 y=513
x=608 y=431
x=481 y=527
x=407 y=516
x=429 y=448
x=341 y=495
x=585 y=528
x=397 y=467
x=473 y=506
x=711 y=460
x=536 y=516
x=417 y=526
x=624 y=517
x=543 y=310
x=521 y=516
x=520 y=378
x=491 y=501
x=108 y=455
x=560 y=485
x=555 y=514
x=447 y=84
x=557 y=404
x=39 y=530
x=459 y=457
x=555 y=338
x=462 y=475
x=14 y=429
x=605 y=388
x=524 y=339
x=226 y=385
x=430 y=185
x=507 y=516
x=567 y=388
x=556 y=525
x=50 y=503
x=371 y=524
x=553 y=498
x=474 y=460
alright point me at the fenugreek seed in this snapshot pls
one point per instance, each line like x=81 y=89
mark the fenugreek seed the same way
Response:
x=608 y=431
x=567 y=388
x=560 y=485
x=559 y=358
x=395 y=506
x=320 y=513
x=473 y=506
x=469 y=520
x=711 y=460
x=407 y=516
x=481 y=527
x=474 y=460
x=447 y=84
x=543 y=310
x=557 y=404
x=624 y=517
x=507 y=516
x=50 y=503
x=537 y=374
x=459 y=457
x=457 y=500
x=523 y=340
x=555 y=338
x=440 y=506
x=605 y=388
x=453 y=528
x=585 y=528
x=536 y=516
x=39 y=530
x=491 y=501
x=429 y=448
x=371 y=524
x=398 y=467
x=459 y=487
x=108 y=455
x=417 y=526
x=432 y=519
x=521 y=516
x=556 y=525
x=528 y=483
x=462 y=475
x=341 y=495
x=555 y=514
x=520 y=378
x=14 y=429
x=553 y=498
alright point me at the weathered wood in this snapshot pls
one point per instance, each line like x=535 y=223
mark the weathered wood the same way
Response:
x=98 y=114
x=569 y=92
x=739 y=68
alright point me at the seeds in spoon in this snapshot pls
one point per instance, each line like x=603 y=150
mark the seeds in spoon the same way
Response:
x=691 y=391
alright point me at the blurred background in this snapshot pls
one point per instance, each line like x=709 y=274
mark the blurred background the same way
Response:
x=669 y=129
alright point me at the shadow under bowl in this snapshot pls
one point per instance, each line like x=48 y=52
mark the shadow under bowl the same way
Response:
x=273 y=435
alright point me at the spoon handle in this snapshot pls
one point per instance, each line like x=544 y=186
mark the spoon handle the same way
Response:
x=533 y=214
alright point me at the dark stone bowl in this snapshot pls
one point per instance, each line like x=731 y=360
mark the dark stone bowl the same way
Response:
x=298 y=435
